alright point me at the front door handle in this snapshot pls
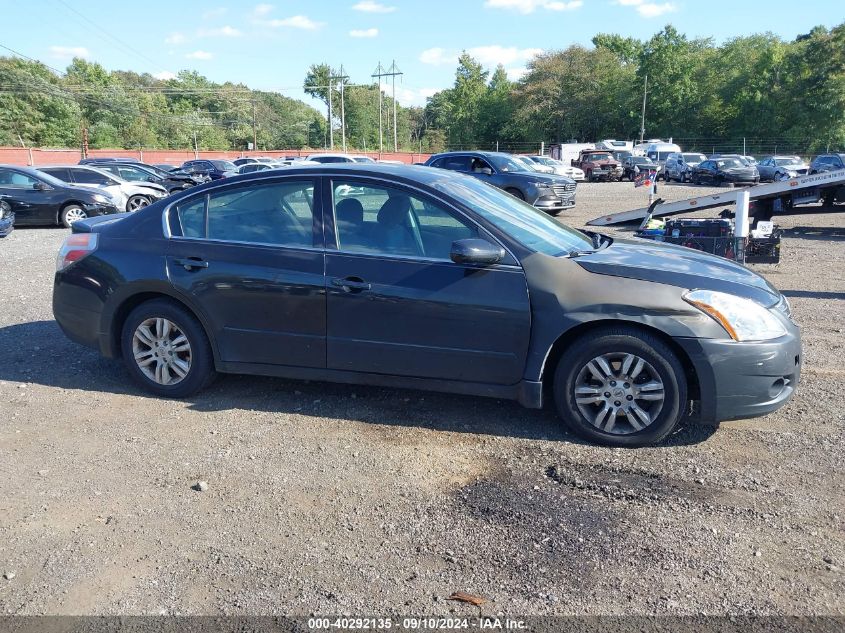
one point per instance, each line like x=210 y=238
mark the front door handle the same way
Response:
x=191 y=262
x=352 y=284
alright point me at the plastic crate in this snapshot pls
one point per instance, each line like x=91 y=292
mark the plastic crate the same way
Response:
x=763 y=250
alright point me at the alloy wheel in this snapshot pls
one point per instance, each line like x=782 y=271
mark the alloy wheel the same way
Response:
x=162 y=351
x=74 y=214
x=137 y=202
x=619 y=393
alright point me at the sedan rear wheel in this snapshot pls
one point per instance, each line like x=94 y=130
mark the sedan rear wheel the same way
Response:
x=166 y=349
x=137 y=202
x=72 y=213
x=621 y=387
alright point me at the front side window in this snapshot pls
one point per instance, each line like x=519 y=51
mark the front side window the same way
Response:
x=454 y=163
x=275 y=213
x=133 y=173
x=16 y=180
x=390 y=221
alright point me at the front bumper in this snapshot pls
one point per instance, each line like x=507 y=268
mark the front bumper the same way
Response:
x=101 y=209
x=553 y=204
x=744 y=380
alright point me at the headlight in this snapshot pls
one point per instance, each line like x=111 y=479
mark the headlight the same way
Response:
x=541 y=185
x=100 y=198
x=743 y=319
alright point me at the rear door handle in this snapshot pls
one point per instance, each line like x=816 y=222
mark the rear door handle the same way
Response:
x=352 y=284
x=190 y=262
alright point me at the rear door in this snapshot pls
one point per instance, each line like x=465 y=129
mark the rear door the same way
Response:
x=249 y=256
x=398 y=305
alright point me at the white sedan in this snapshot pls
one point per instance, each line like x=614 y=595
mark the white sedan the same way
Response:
x=129 y=196
x=559 y=167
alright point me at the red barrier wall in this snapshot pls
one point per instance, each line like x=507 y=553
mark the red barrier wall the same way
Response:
x=36 y=157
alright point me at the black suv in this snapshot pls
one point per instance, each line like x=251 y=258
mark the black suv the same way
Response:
x=546 y=192
x=827 y=162
x=37 y=198
x=210 y=169
x=141 y=172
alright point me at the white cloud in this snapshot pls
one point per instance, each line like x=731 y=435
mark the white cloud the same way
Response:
x=529 y=6
x=487 y=55
x=515 y=74
x=223 y=31
x=214 y=13
x=164 y=75
x=648 y=9
x=175 y=38
x=363 y=33
x=69 y=52
x=203 y=55
x=411 y=97
x=368 y=6
x=262 y=9
x=295 y=22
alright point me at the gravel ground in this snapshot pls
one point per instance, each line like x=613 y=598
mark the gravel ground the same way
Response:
x=336 y=499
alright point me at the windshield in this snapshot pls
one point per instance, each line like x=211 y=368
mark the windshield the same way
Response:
x=528 y=165
x=788 y=161
x=505 y=163
x=694 y=158
x=599 y=156
x=533 y=229
x=158 y=171
x=730 y=162
x=224 y=165
x=640 y=160
x=545 y=160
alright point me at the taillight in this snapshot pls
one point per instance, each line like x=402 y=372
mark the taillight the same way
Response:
x=76 y=247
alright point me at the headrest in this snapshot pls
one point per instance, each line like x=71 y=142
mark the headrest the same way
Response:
x=350 y=210
x=394 y=212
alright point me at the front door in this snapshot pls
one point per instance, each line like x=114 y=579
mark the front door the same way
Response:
x=249 y=257
x=30 y=205
x=398 y=305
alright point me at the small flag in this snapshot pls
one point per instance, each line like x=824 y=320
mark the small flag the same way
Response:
x=645 y=178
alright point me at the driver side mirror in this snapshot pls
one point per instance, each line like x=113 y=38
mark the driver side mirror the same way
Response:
x=41 y=186
x=476 y=251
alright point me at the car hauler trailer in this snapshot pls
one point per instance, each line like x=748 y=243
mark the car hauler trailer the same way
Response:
x=765 y=200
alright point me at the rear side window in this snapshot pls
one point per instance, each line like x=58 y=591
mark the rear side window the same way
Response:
x=89 y=177
x=274 y=213
x=59 y=172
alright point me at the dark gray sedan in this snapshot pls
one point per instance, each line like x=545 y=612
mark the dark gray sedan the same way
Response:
x=547 y=192
x=425 y=279
x=775 y=168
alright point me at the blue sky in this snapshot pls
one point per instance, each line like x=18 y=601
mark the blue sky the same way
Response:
x=269 y=45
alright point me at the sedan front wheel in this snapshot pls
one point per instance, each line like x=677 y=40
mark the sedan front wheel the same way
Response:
x=621 y=387
x=137 y=202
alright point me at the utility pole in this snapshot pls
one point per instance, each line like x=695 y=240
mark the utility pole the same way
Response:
x=342 y=78
x=642 y=119
x=393 y=73
x=254 y=129
x=379 y=72
x=331 y=130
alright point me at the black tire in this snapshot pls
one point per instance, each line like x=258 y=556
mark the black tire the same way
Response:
x=589 y=176
x=621 y=340
x=70 y=213
x=516 y=193
x=201 y=372
x=137 y=202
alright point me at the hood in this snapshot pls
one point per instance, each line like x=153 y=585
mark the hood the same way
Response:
x=548 y=179
x=678 y=266
x=148 y=185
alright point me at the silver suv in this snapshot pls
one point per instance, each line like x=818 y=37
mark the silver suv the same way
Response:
x=679 y=165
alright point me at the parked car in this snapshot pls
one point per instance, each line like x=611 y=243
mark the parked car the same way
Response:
x=559 y=167
x=678 y=165
x=140 y=172
x=359 y=158
x=128 y=196
x=546 y=192
x=330 y=158
x=827 y=162
x=239 y=162
x=7 y=218
x=38 y=198
x=633 y=165
x=530 y=166
x=620 y=155
x=641 y=148
x=598 y=164
x=775 y=168
x=659 y=152
x=724 y=171
x=211 y=169
x=249 y=168
x=108 y=159
x=431 y=280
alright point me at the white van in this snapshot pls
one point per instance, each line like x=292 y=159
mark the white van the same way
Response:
x=659 y=152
